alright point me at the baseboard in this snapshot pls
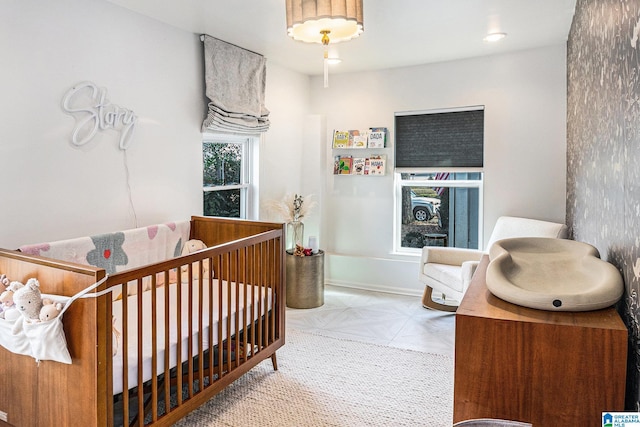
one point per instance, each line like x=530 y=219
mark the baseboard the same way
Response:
x=375 y=288
x=391 y=275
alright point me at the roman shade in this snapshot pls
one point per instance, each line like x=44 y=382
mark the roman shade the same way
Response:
x=449 y=139
x=235 y=85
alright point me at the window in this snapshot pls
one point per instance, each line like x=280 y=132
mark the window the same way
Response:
x=438 y=179
x=438 y=209
x=228 y=188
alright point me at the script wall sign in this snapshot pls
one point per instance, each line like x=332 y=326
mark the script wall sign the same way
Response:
x=89 y=105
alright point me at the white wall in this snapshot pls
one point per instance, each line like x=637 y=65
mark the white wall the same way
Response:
x=51 y=190
x=292 y=153
x=282 y=150
x=58 y=191
x=524 y=95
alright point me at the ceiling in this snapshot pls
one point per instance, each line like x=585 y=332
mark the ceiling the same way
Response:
x=397 y=33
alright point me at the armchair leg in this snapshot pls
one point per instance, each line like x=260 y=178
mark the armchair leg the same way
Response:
x=428 y=302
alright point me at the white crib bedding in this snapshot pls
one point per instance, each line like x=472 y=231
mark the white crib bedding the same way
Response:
x=258 y=302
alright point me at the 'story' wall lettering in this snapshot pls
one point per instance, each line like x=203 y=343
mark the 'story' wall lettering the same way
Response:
x=89 y=105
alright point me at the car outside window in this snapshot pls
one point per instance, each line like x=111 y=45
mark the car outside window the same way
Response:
x=438 y=209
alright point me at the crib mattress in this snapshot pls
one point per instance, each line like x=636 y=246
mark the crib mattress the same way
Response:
x=181 y=328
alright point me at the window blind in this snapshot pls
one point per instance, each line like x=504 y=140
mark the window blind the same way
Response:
x=235 y=85
x=440 y=140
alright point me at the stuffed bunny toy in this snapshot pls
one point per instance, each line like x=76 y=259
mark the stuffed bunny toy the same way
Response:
x=192 y=246
x=49 y=310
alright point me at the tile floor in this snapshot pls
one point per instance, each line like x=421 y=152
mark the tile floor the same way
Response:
x=379 y=318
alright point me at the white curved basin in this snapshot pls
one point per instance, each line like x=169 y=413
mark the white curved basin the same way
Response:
x=552 y=274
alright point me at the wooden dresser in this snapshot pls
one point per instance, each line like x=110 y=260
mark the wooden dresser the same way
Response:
x=542 y=367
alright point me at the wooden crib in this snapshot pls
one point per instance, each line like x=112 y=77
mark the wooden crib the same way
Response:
x=216 y=314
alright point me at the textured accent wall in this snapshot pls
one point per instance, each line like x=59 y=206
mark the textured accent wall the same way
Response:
x=603 y=149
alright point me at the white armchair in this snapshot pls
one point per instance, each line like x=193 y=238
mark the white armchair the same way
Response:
x=449 y=270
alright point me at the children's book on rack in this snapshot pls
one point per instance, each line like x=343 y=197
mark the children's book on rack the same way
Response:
x=377 y=138
x=342 y=165
x=336 y=165
x=348 y=165
x=358 y=139
x=372 y=138
x=377 y=165
x=359 y=165
x=340 y=139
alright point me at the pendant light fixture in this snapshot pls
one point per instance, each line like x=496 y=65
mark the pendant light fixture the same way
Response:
x=324 y=22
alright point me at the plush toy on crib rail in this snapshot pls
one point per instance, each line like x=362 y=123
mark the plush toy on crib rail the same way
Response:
x=6 y=298
x=28 y=300
x=49 y=310
x=190 y=247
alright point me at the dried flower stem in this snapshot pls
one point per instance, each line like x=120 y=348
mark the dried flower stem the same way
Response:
x=291 y=207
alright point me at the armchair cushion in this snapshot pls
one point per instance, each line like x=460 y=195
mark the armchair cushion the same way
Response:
x=443 y=265
x=444 y=273
x=467 y=270
x=451 y=256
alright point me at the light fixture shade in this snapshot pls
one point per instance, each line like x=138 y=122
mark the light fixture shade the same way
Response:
x=307 y=18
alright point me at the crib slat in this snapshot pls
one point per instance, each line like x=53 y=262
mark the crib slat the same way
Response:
x=273 y=255
x=179 y=338
x=125 y=354
x=247 y=307
x=140 y=353
x=236 y=317
x=154 y=354
x=220 y=313
x=227 y=340
x=190 y=331
x=200 y=325
x=210 y=302
x=260 y=284
x=254 y=282
x=167 y=355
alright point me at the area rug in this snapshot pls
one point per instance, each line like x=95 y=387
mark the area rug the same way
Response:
x=324 y=381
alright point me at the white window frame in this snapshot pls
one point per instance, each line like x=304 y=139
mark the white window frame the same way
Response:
x=248 y=173
x=397 y=198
